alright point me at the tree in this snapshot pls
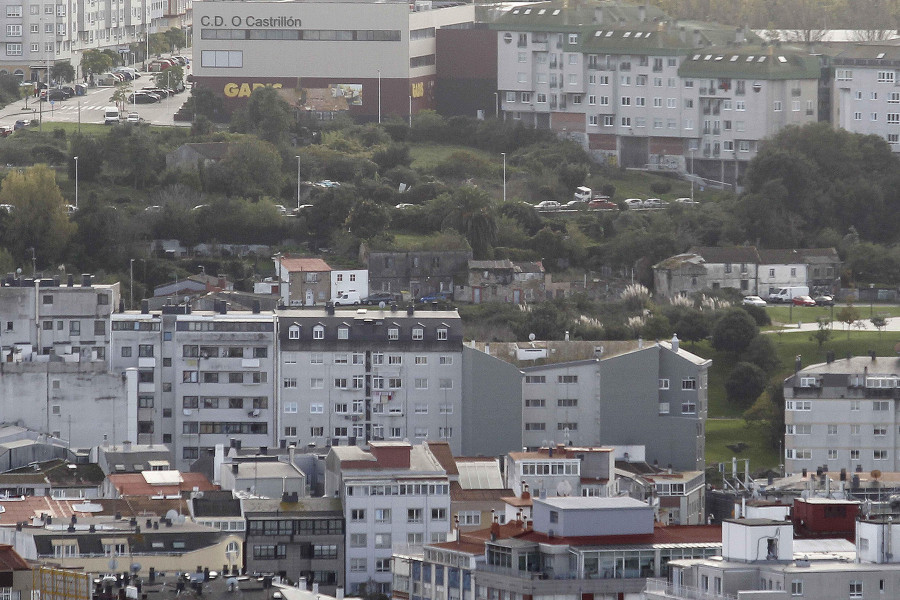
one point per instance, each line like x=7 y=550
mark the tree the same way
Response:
x=767 y=413
x=473 y=214
x=848 y=315
x=173 y=78
x=39 y=218
x=95 y=61
x=121 y=95
x=745 y=383
x=693 y=326
x=206 y=103
x=879 y=323
x=367 y=219
x=265 y=115
x=734 y=331
x=89 y=150
x=823 y=333
x=761 y=352
x=63 y=71
x=251 y=167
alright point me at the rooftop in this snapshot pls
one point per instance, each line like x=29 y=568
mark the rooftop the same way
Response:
x=294 y=265
x=591 y=503
x=156 y=483
x=881 y=365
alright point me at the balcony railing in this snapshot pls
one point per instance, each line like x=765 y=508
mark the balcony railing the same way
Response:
x=660 y=588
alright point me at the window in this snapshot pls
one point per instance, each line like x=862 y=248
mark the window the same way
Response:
x=382 y=540
x=832 y=454
x=126 y=351
x=318 y=332
x=358 y=514
x=567 y=402
x=663 y=384
x=854 y=455
x=689 y=407
x=14 y=31
x=14 y=49
x=383 y=565
x=445 y=433
x=442 y=334
x=609 y=120
x=879 y=430
x=343 y=333
x=414 y=515
x=535 y=426
x=663 y=408
x=222 y=58
x=604 y=100
x=881 y=405
x=358 y=540
x=74 y=327
x=358 y=565
x=796 y=587
x=776 y=106
x=446 y=360
x=626 y=101
x=856 y=589
x=443 y=383
x=535 y=403
x=393 y=333
x=294 y=332
x=832 y=429
x=893 y=118
x=689 y=383
x=857 y=116
x=593 y=120
x=14 y=10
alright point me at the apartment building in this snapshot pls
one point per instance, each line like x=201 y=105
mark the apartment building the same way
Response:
x=354 y=376
x=394 y=495
x=572 y=547
x=762 y=559
x=642 y=90
x=588 y=393
x=866 y=96
x=203 y=377
x=297 y=539
x=841 y=414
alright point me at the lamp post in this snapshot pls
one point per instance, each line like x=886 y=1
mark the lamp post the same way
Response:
x=410 y=111
x=298 y=184
x=503 y=154
x=496 y=105
x=76 y=183
x=379 y=96
x=692 y=174
x=871 y=300
x=130 y=284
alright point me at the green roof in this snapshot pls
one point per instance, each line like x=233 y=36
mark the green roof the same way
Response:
x=750 y=62
x=560 y=15
x=870 y=55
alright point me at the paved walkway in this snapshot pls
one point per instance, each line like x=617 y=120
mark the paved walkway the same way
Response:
x=863 y=324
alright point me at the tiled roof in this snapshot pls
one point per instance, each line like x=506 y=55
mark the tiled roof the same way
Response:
x=11 y=561
x=870 y=55
x=444 y=455
x=750 y=62
x=732 y=254
x=671 y=534
x=134 y=484
x=458 y=494
x=295 y=265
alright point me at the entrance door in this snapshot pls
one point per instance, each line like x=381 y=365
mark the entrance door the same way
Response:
x=476 y=295
x=517 y=296
x=310 y=298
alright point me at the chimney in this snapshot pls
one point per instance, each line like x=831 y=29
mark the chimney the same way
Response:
x=526 y=495
x=872 y=354
x=256 y=307
x=495 y=526
x=86 y=280
x=642 y=13
x=675 y=343
x=223 y=308
x=393 y=307
x=234 y=468
x=145 y=307
x=56 y=281
x=598 y=16
x=410 y=310
x=126 y=446
x=292 y=449
x=567 y=336
x=70 y=280
x=434 y=306
x=329 y=310
x=315 y=589
x=393 y=455
x=798 y=363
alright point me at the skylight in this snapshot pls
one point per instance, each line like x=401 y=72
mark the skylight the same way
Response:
x=761 y=59
x=598 y=33
x=527 y=11
x=718 y=58
x=782 y=59
x=733 y=58
x=750 y=58
x=626 y=34
x=555 y=12
x=542 y=11
x=880 y=55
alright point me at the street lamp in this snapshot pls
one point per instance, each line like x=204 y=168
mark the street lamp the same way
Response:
x=379 y=96
x=871 y=300
x=503 y=154
x=298 y=184
x=130 y=284
x=76 y=183
x=692 y=174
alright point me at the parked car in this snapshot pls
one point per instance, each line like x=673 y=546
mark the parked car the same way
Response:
x=20 y=124
x=803 y=301
x=377 y=298
x=575 y=204
x=7 y=208
x=436 y=297
x=143 y=98
x=6 y=131
x=754 y=301
x=133 y=118
x=404 y=206
x=824 y=300
x=686 y=201
x=301 y=208
x=154 y=208
x=654 y=203
x=68 y=90
x=53 y=94
x=634 y=203
x=547 y=205
x=602 y=205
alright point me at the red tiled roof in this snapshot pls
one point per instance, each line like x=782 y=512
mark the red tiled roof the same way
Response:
x=672 y=534
x=442 y=453
x=517 y=501
x=294 y=265
x=33 y=506
x=457 y=494
x=11 y=561
x=461 y=546
x=134 y=484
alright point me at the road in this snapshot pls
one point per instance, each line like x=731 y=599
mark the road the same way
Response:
x=91 y=105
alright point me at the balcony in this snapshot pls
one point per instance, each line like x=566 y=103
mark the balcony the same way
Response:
x=660 y=589
x=707 y=91
x=146 y=362
x=537 y=46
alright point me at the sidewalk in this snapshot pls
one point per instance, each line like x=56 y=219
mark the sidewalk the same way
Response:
x=863 y=324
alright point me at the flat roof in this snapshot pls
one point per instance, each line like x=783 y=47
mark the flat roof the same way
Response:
x=586 y=502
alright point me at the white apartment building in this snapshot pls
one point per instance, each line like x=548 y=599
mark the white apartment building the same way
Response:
x=866 y=96
x=642 y=90
x=355 y=376
x=842 y=414
x=203 y=377
x=396 y=495
x=41 y=34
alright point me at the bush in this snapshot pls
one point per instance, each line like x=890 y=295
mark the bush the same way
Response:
x=734 y=331
x=761 y=352
x=745 y=383
x=661 y=187
x=758 y=313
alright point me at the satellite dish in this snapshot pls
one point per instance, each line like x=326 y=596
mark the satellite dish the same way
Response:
x=381 y=305
x=187 y=299
x=563 y=488
x=19 y=271
x=179 y=519
x=172 y=514
x=531 y=337
x=135 y=567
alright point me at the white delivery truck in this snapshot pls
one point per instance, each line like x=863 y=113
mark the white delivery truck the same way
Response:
x=348 y=298
x=787 y=294
x=582 y=194
x=111 y=115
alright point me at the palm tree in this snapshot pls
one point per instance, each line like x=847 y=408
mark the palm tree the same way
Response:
x=120 y=96
x=474 y=215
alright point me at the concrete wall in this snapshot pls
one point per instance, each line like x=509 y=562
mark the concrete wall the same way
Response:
x=491 y=405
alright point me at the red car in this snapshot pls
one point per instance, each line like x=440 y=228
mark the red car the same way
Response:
x=602 y=205
x=803 y=301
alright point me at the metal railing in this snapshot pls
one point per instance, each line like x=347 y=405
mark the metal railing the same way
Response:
x=662 y=588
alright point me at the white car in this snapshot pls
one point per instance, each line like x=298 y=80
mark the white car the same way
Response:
x=687 y=201
x=575 y=204
x=404 y=206
x=133 y=118
x=654 y=203
x=634 y=203
x=547 y=205
x=754 y=301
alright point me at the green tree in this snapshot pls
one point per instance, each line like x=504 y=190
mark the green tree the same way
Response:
x=762 y=353
x=39 y=219
x=767 y=413
x=89 y=150
x=473 y=214
x=63 y=71
x=251 y=168
x=693 y=326
x=734 y=331
x=174 y=38
x=848 y=315
x=266 y=115
x=173 y=78
x=367 y=219
x=121 y=95
x=657 y=327
x=206 y=103
x=745 y=383
x=879 y=323
x=823 y=333
x=95 y=61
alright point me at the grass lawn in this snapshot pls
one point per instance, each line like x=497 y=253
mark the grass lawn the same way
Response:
x=427 y=156
x=809 y=314
x=722 y=432
x=86 y=128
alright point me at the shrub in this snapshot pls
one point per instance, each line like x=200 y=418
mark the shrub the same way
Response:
x=661 y=187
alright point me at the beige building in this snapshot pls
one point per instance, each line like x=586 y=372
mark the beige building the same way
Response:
x=305 y=281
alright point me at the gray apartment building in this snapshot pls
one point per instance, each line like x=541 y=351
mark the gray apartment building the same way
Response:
x=417 y=272
x=355 y=376
x=297 y=538
x=203 y=377
x=641 y=89
x=866 y=98
x=841 y=414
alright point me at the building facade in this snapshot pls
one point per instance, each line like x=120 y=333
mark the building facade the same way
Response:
x=379 y=57
x=865 y=98
x=841 y=415
x=351 y=377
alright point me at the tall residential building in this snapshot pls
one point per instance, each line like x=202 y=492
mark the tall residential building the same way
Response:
x=866 y=97
x=842 y=414
x=355 y=376
x=394 y=495
x=203 y=377
x=642 y=90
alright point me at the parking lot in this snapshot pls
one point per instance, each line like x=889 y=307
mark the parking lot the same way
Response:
x=90 y=107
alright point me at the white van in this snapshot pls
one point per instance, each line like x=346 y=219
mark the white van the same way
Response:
x=582 y=194
x=787 y=294
x=350 y=298
x=110 y=115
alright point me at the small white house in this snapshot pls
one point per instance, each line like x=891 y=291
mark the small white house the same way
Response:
x=356 y=280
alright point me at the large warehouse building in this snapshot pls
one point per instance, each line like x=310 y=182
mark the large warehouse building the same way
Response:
x=368 y=59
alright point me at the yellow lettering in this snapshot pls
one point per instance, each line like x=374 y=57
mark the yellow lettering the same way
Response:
x=258 y=85
x=277 y=86
x=231 y=90
x=245 y=91
x=418 y=90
